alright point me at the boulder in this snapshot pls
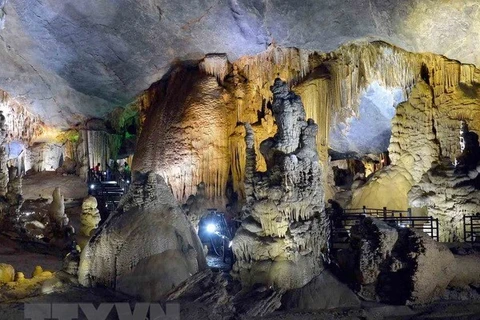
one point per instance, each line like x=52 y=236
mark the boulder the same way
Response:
x=323 y=292
x=145 y=248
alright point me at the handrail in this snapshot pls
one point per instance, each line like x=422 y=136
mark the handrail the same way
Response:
x=402 y=218
x=471 y=228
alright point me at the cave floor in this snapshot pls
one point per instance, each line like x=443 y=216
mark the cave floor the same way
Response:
x=41 y=185
x=24 y=260
x=441 y=310
x=216 y=263
x=15 y=254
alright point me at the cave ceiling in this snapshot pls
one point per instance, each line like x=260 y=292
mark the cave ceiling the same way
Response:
x=68 y=59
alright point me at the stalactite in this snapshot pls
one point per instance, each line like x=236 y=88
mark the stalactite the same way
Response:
x=215 y=65
x=20 y=124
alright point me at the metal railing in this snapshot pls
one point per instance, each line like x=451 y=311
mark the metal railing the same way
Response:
x=471 y=229
x=379 y=213
x=340 y=226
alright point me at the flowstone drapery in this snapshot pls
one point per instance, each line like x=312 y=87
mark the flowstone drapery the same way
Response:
x=285 y=229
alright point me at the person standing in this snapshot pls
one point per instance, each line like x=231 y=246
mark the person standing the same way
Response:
x=98 y=173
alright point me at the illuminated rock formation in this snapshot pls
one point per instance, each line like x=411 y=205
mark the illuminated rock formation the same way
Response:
x=333 y=88
x=145 y=248
x=449 y=192
x=285 y=229
x=424 y=130
x=7 y=273
x=413 y=148
x=185 y=137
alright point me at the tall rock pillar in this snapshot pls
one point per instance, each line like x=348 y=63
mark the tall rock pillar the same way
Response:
x=285 y=230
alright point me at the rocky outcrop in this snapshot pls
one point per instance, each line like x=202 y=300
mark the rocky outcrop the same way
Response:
x=147 y=247
x=401 y=265
x=447 y=194
x=209 y=295
x=285 y=230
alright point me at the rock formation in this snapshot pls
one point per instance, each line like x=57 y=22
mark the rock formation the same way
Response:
x=425 y=130
x=196 y=205
x=145 y=248
x=285 y=229
x=7 y=273
x=448 y=193
x=90 y=218
x=58 y=218
x=400 y=265
x=10 y=207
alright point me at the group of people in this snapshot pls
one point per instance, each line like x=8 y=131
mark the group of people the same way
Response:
x=116 y=173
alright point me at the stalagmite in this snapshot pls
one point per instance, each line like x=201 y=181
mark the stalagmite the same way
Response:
x=285 y=229
x=58 y=218
x=90 y=219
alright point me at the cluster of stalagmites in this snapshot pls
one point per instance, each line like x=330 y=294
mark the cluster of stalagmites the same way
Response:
x=36 y=219
x=285 y=230
x=399 y=265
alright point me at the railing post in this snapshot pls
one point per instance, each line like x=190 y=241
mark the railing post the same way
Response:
x=464 y=229
x=438 y=231
x=431 y=228
x=385 y=213
x=471 y=229
x=364 y=210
